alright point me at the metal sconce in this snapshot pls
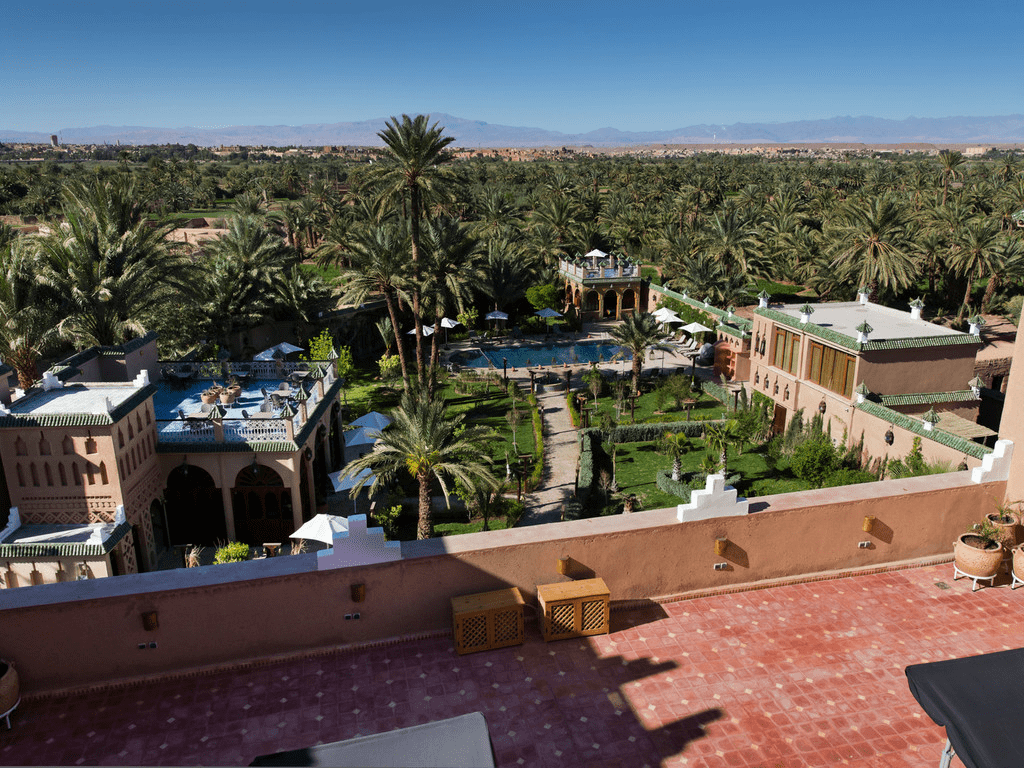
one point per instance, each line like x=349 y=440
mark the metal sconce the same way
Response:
x=869 y=523
x=757 y=378
x=150 y=620
x=785 y=394
x=358 y=592
x=255 y=465
x=821 y=407
x=776 y=390
x=889 y=437
x=563 y=566
x=721 y=544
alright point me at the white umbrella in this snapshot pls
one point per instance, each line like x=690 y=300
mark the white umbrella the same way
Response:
x=668 y=320
x=321 y=528
x=349 y=482
x=427 y=330
x=446 y=323
x=663 y=313
x=372 y=420
x=284 y=348
x=596 y=252
x=695 y=327
x=496 y=315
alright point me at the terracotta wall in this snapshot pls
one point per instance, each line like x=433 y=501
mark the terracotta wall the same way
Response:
x=640 y=556
x=29 y=571
x=926 y=369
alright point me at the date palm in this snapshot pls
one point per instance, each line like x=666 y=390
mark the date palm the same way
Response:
x=379 y=265
x=109 y=273
x=977 y=255
x=950 y=160
x=638 y=334
x=413 y=175
x=675 y=445
x=870 y=244
x=27 y=320
x=428 y=445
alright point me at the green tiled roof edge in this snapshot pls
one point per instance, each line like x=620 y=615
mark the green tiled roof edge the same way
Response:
x=925 y=398
x=79 y=419
x=914 y=425
x=721 y=314
x=850 y=343
x=67 y=549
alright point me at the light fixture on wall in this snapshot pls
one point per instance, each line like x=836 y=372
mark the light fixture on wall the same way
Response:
x=255 y=465
x=721 y=545
x=563 y=565
x=184 y=465
x=869 y=523
x=757 y=377
x=889 y=436
x=785 y=394
x=150 y=621
x=776 y=390
x=821 y=407
x=358 y=592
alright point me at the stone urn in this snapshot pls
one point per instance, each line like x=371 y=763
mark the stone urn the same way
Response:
x=1008 y=525
x=10 y=687
x=977 y=556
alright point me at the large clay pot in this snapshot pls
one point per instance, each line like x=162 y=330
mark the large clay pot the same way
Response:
x=10 y=688
x=208 y=399
x=1009 y=532
x=1018 y=562
x=226 y=398
x=975 y=561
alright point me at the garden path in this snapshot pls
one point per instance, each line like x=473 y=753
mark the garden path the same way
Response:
x=561 y=451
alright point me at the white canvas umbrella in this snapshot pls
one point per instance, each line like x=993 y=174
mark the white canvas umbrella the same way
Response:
x=596 y=252
x=349 y=482
x=427 y=330
x=372 y=420
x=446 y=323
x=284 y=348
x=548 y=312
x=695 y=327
x=663 y=313
x=321 y=528
x=496 y=315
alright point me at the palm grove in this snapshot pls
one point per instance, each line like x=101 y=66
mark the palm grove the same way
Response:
x=434 y=237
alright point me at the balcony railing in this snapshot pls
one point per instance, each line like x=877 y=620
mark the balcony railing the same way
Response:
x=235 y=430
x=602 y=272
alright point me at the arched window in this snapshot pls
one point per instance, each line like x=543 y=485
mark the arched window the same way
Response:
x=90 y=473
x=131 y=430
x=63 y=474
x=103 y=473
x=138 y=421
x=21 y=475
x=147 y=419
x=49 y=474
x=120 y=463
x=76 y=473
x=20 y=448
x=68 y=445
x=120 y=439
x=44 y=445
x=34 y=473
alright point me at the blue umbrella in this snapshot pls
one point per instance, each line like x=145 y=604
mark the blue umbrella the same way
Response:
x=548 y=312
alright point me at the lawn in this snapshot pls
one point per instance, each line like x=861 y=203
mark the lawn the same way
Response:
x=647 y=411
x=637 y=464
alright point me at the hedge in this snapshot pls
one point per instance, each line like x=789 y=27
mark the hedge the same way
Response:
x=690 y=481
x=537 y=473
x=574 y=411
x=720 y=393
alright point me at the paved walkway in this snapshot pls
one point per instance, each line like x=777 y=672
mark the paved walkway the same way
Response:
x=561 y=452
x=798 y=676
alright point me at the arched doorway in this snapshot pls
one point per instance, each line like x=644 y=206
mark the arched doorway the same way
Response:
x=611 y=302
x=262 y=506
x=592 y=303
x=628 y=303
x=320 y=466
x=576 y=298
x=195 y=507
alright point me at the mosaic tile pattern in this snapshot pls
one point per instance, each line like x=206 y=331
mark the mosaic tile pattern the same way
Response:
x=799 y=676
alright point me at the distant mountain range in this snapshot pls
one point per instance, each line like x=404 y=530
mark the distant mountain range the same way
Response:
x=476 y=133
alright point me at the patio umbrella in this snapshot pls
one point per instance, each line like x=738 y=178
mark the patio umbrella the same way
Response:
x=372 y=420
x=665 y=314
x=596 y=252
x=348 y=483
x=427 y=331
x=496 y=315
x=548 y=312
x=284 y=348
x=695 y=327
x=446 y=323
x=321 y=528
x=362 y=436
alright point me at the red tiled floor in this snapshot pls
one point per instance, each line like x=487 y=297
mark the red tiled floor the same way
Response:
x=804 y=675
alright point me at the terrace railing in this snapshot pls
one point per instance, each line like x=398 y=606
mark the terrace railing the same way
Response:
x=234 y=430
x=259 y=369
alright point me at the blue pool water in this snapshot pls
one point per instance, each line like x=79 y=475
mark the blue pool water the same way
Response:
x=524 y=357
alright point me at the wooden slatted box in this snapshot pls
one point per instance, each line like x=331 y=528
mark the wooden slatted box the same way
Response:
x=573 y=609
x=487 y=620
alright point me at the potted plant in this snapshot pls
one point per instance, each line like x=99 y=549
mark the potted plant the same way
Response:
x=978 y=552
x=209 y=396
x=1007 y=522
x=234 y=387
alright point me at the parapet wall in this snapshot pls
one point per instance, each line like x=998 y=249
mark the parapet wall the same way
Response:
x=83 y=633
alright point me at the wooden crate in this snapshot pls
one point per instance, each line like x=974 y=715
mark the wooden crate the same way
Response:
x=573 y=609
x=487 y=620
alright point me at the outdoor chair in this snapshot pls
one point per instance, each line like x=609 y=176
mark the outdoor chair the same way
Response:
x=284 y=386
x=181 y=413
x=245 y=414
x=266 y=406
x=264 y=391
x=277 y=400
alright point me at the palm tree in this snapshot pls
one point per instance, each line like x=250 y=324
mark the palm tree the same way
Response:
x=950 y=161
x=243 y=268
x=870 y=243
x=976 y=256
x=379 y=266
x=27 y=320
x=413 y=174
x=108 y=272
x=718 y=438
x=675 y=444
x=638 y=334
x=428 y=445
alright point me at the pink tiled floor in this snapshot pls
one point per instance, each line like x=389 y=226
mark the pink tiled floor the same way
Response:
x=803 y=675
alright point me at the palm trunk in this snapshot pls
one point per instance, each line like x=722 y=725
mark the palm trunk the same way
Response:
x=990 y=289
x=677 y=468
x=425 y=527
x=390 y=301
x=638 y=363
x=967 y=297
x=434 y=352
x=414 y=227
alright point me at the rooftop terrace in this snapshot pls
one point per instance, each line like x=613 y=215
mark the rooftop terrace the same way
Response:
x=803 y=675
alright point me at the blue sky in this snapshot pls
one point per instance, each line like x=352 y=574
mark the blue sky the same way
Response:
x=566 y=66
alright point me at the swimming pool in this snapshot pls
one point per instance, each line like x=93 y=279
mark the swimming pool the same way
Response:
x=526 y=356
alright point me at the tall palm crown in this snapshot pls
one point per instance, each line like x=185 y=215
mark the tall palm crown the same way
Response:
x=379 y=266
x=110 y=274
x=638 y=334
x=871 y=245
x=27 y=320
x=413 y=173
x=428 y=445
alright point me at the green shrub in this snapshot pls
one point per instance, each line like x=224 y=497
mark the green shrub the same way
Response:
x=513 y=511
x=846 y=476
x=235 y=552
x=680 y=488
x=387 y=517
x=537 y=473
x=574 y=411
x=814 y=460
x=720 y=393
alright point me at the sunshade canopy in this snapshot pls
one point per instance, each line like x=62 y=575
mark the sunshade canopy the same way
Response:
x=283 y=348
x=321 y=528
x=447 y=322
x=372 y=420
x=496 y=315
x=349 y=482
x=427 y=330
x=548 y=312
x=695 y=327
x=363 y=436
x=596 y=252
